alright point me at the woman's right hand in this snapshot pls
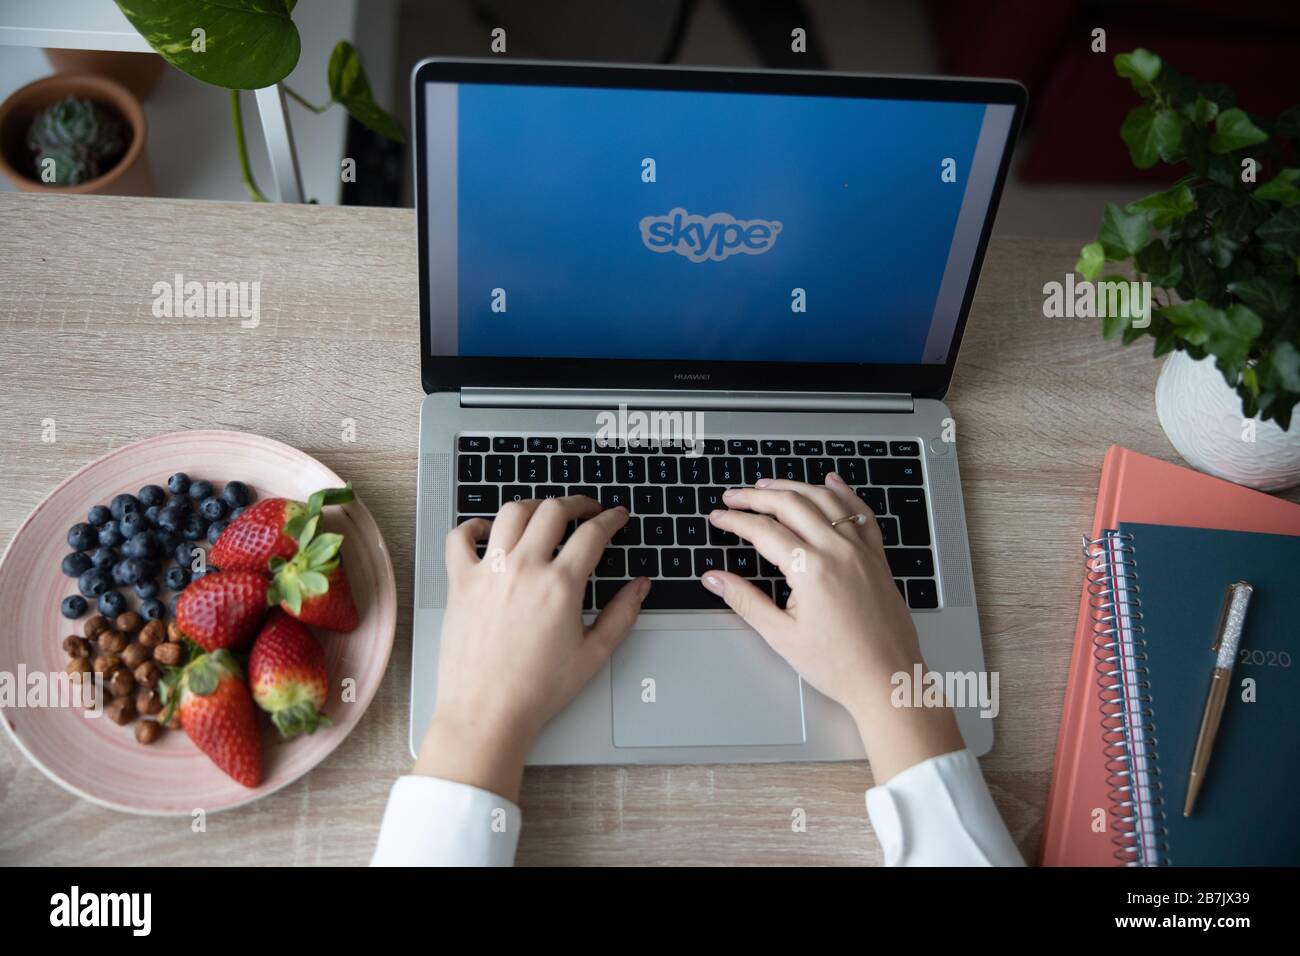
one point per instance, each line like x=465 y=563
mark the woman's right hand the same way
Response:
x=845 y=627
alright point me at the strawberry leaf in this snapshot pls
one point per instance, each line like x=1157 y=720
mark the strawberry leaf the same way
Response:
x=308 y=531
x=291 y=594
x=322 y=549
x=313 y=583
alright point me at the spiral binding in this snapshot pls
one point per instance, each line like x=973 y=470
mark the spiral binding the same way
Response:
x=1125 y=722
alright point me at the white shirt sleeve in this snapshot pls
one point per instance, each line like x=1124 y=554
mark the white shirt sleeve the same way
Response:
x=939 y=813
x=435 y=822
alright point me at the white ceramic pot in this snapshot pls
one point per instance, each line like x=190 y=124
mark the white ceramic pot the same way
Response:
x=1202 y=417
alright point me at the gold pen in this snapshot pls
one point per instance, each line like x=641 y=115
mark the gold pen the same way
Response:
x=1227 y=639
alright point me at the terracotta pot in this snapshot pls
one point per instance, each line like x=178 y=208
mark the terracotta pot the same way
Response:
x=131 y=176
x=138 y=72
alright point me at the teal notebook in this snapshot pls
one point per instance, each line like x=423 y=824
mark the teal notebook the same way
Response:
x=1165 y=588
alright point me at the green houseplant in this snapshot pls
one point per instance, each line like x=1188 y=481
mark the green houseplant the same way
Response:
x=1220 y=247
x=248 y=45
x=78 y=138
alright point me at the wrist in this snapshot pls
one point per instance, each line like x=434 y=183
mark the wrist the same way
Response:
x=477 y=751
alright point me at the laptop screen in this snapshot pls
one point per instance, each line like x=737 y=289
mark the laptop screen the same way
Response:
x=693 y=225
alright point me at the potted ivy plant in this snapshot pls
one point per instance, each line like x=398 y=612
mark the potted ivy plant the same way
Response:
x=1221 y=249
x=249 y=45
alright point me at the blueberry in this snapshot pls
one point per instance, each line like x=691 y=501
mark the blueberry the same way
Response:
x=142 y=545
x=132 y=523
x=167 y=541
x=237 y=494
x=200 y=490
x=236 y=513
x=179 y=483
x=152 y=610
x=94 y=582
x=151 y=513
x=194 y=528
x=75 y=564
x=171 y=605
x=110 y=536
x=81 y=536
x=213 y=509
x=124 y=504
x=214 y=531
x=111 y=603
x=99 y=515
x=73 y=606
x=151 y=496
x=103 y=558
x=184 y=553
x=171 y=518
x=147 y=588
x=129 y=571
x=177 y=578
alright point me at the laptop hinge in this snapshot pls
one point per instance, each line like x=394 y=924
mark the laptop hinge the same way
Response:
x=699 y=399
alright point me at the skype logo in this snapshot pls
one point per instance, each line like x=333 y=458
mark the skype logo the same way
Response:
x=700 y=238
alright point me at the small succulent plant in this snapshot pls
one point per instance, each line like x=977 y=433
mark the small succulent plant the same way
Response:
x=83 y=139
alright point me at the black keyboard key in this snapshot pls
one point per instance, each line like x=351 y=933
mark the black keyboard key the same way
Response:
x=508 y=444
x=589 y=598
x=718 y=536
x=473 y=443
x=587 y=491
x=481 y=549
x=708 y=559
x=818 y=469
x=870 y=449
x=905 y=449
x=839 y=447
x=543 y=446
x=680 y=500
x=597 y=469
x=647 y=501
x=743 y=561
x=765 y=587
x=895 y=471
x=742 y=446
x=888 y=530
x=675 y=595
x=630 y=533
x=662 y=470
x=643 y=563
x=630 y=469
x=673 y=447
x=695 y=471
x=726 y=471
x=610 y=444
x=756 y=468
x=902 y=588
x=908 y=504
x=616 y=496
x=657 y=530
x=516 y=493
x=575 y=446
x=469 y=467
x=791 y=469
x=692 y=531
x=500 y=468
x=910 y=562
x=781 y=593
x=612 y=563
x=767 y=569
x=922 y=593
x=548 y=491
x=710 y=499
x=852 y=470
x=715 y=446
x=806 y=448
x=533 y=468
x=566 y=468
x=774 y=446
x=675 y=563
x=477 y=499
x=461 y=519
x=874 y=498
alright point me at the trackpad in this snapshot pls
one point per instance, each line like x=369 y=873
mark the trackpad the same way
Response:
x=703 y=689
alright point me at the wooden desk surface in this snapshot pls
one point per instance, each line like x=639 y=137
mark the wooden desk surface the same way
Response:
x=1037 y=402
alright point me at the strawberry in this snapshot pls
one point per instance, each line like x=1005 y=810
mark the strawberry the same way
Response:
x=217 y=712
x=313 y=587
x=222 y=608
x=270 y=529
x=286 y=671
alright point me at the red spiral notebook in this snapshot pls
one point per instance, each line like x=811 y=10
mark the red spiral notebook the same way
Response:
x=1134 y=488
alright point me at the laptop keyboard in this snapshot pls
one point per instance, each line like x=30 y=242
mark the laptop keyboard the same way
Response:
x=669 y=494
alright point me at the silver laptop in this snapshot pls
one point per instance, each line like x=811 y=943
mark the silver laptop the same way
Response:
x=647 y=285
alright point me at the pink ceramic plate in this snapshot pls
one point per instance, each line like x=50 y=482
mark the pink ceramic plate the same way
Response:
x=100 y=761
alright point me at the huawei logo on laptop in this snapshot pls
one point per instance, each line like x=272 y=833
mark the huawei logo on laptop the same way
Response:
x=692 y=376
x=700 y=238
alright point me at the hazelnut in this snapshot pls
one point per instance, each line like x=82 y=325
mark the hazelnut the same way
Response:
x=121 y=710
x=147 y=731
x=77 y=666
x=135 y=655
x=174 y=633
x=75 y=646
x=128 y=621
x=169 y=654
x=121 y=683
x=107 y=663
x=148 y=674
x=154 y=633
x=147 y=701
x=95 y=625
x=113 y=641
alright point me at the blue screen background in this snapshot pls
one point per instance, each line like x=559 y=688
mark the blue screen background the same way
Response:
x=551 y=198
